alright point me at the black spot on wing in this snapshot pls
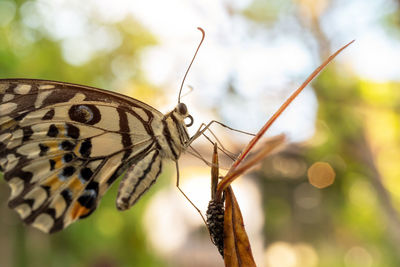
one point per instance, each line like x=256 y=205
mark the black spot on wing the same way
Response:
x=27 y=133
x=67 y=195
x=88 y=199
x=43 y=149
x=49 y=115
x=47 y=189
x=52 y=164
x=72 y=131
x=67 y=145
x=19 y=117
x=58 y=226
x=68 y=171
x=68 y=157
x=53 y=131
x=86 y=173
x=86 y=148
x=88 y=114
x=51 y=212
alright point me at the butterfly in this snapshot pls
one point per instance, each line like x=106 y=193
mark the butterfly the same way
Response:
x=62 y=145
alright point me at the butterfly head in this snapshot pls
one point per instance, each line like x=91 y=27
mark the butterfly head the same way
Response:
x=182 y=111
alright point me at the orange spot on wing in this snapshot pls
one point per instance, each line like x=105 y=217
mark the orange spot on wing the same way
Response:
x=75 y=185
x=61 y=131
x=58 y=161
x=53 y=182
x=53 y=146
x=76 y=149
x=78 y=210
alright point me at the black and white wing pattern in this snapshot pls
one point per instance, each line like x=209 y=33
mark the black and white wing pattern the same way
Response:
x=62 y=145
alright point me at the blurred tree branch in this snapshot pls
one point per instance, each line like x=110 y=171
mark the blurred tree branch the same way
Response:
x=360 y=148
x=363 y=152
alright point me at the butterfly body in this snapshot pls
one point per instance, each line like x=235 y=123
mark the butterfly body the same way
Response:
x=62 y=145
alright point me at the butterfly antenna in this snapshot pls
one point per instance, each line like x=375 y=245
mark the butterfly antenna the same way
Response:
x=197 y=50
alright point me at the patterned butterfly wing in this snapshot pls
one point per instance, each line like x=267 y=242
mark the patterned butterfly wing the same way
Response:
x=62 y=145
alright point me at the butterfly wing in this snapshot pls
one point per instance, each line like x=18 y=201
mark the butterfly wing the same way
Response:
x=62 y=145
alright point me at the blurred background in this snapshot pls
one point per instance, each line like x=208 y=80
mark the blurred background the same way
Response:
x=330 y=197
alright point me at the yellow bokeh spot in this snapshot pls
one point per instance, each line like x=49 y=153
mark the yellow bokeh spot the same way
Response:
x=313 y=8
x=378 y=92
x=321 y=174
x=283 y=254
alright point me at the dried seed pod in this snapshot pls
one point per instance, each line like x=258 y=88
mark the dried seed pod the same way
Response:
x=215 y=224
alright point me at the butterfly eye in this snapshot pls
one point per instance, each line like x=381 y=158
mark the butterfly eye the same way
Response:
x=191 y=121
x=182 y=109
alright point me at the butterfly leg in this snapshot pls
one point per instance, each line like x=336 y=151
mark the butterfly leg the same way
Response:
x=221 y=146
x=206 y=127
x=197 y=154
x=201 y=130
x=187 y=198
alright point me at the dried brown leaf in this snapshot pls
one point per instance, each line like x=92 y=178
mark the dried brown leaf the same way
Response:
x=237 y=249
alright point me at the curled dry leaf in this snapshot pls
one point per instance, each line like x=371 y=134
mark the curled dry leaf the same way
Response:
x=217 y=221
x=237 y=250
